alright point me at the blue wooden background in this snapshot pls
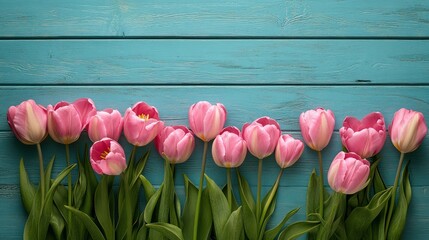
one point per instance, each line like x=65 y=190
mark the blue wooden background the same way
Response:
x=276 y=58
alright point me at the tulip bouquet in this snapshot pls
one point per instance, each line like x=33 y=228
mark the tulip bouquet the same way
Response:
x=96 y=206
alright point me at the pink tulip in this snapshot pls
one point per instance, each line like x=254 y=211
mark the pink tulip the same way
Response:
x=261 y=136
x=28 y=122
x=317 y=127
x=107 y=157
x=175 y=144
x=64 y=123
x=366 y=137
x=206 y=120
x=229 y=148
x=407 y=130
x=142 y=124
x=288 y=150
x=348 y=173
x=86 y=109
x=106 y=123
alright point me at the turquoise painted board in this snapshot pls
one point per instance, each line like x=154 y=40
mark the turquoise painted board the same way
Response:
x=214 y=61
x=279 y=18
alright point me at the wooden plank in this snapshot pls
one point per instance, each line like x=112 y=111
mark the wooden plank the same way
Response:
x=14 y=217
x=214 y=18
x=214 y=62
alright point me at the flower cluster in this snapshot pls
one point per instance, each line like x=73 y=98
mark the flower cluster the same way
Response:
x=91 y=207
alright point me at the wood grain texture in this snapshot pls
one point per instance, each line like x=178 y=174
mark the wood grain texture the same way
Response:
x=299 y=62
x=214 y=18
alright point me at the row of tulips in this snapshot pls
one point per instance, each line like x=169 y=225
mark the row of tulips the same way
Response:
x=360 y=207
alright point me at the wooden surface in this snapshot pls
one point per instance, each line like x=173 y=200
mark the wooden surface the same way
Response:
x=274 y=58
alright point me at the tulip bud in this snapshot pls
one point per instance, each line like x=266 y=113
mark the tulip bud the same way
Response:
x=317 y=127
x=107 y=157
x=348 y=173
x=365 y=138
x=106 y=123
x=261 y=136
x=288 y=150
x=407 y=130
x=28 y=122
x=141 y=124
x=64 y=123
x=175 y=144
x=229 y=148
x=206 y=120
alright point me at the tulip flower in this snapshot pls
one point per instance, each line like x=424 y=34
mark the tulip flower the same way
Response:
x=407 y=130
x=348 y=173
x=175 y=144
x=64 y=123
x=317 y=127
x=107 y=157
x=229 y=148
x=141 y=124
x=28 y=122
x=106 y=123
x=86 y=109
x=206 y=120
x=288 y=150
x=366 y=137
x=261 y=136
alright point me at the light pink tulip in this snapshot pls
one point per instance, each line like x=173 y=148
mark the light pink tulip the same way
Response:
x=206 y=120
x=106 y=123
x=28 y=122
x=175 y=144
x=261 y=136
x=141 y=124
x=348 y=173
x=229 y=148
x=86 y=109
x=366 y=137
x=64 y=123
x=408 y=129
x=107 y=157
x=288 y=150
x=317 y=127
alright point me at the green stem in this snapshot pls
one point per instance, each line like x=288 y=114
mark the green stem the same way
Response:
x=321 y=187
x=200 y=192
x=229 y=188
x=69 y=186
x=127 y=206
x=392 y=198
x=42 y=171
x=258 y=196
x=271 y=197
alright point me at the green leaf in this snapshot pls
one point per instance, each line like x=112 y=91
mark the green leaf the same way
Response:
x=312 y=195
x=219 y=205
x=399 y=217
x=148 y=188
x=151 y=205
x=48 y=173
x=378 y=182
x=57 y=222
x=140 y=167
x=170 y=231
x=361 y=217
x=79 y=189
x=272 y=233
x=167 y=194
x=334 y=208
x=248 y=204
x=269 y=213
x=102 y=208
x=27 y=189
x=234 y=200
x=233 y=226
x=206 y=217
x=92 y=228
x=297 y=229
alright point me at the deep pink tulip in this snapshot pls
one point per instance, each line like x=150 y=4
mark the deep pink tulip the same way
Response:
x=64 y=123
x=86 y=109
x=107 y=157
x=106 y=123
x=28 y=122
x=317 y=127
x=229 y=148
x=141 y=124
x=175 y=144
x=288 y=150
x=348 y=173
x=261 y=136
x=366 y=137
x=207 y=120
x=408 y=129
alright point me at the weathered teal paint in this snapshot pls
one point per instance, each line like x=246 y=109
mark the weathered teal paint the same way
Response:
x=274 y=58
